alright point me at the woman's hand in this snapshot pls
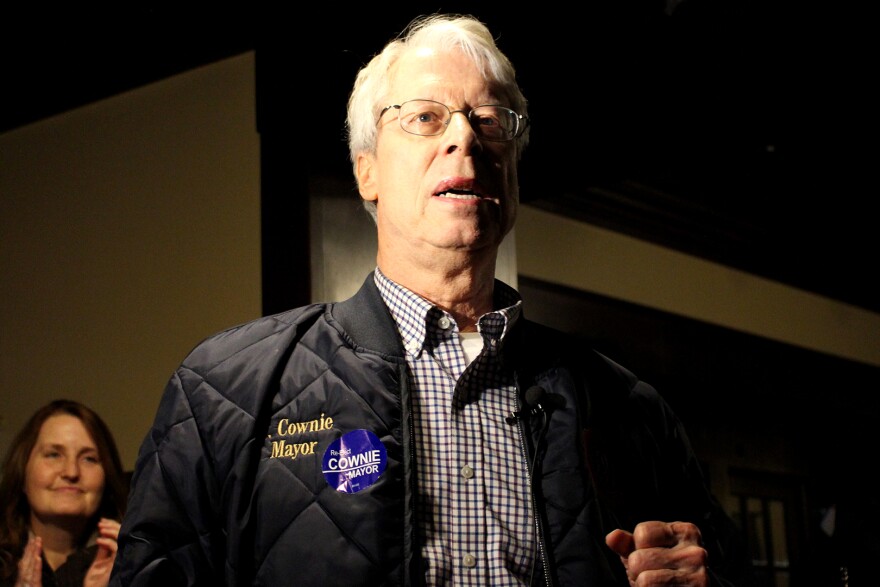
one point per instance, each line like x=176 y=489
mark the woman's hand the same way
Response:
x=30 y=567
x=99 y=573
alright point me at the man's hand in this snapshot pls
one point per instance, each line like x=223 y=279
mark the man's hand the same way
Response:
x=660 y=553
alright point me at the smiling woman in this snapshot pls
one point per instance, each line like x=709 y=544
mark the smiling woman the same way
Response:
x=63 y=496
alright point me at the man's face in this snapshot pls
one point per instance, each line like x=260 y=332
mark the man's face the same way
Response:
x=64 y=475
x=452 y=191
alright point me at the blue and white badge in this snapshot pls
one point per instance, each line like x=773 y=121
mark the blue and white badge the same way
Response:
x=355 y=461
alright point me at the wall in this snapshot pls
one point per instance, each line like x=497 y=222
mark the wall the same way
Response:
x=130 y=229
x=631 y=270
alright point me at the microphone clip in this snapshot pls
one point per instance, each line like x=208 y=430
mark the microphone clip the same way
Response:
x=533 y=398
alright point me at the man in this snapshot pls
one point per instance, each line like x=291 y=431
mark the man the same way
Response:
x=423 y=431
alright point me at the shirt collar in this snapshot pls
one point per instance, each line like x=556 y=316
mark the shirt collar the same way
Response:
x=411 y=312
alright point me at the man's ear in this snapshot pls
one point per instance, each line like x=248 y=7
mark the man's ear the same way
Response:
x=366 y=177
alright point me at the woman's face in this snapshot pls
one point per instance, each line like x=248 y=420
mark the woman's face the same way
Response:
x=64 y=477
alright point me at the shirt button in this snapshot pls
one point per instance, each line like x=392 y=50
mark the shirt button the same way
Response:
x=413 y=346
x=444 y=322
x=467 y=472
x=469 y=560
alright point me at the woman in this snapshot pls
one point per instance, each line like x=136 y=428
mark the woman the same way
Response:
x=63 y=495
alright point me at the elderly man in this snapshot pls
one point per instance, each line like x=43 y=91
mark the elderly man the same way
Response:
x=423 y=432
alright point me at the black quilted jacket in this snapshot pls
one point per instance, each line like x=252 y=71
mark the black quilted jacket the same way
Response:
x=229 y=486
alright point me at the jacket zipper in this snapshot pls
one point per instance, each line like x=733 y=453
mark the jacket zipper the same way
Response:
x=539 y=534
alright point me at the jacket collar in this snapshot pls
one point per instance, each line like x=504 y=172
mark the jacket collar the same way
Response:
x=365 y=318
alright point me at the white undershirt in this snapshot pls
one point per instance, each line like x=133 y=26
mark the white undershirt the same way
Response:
x=472 y=343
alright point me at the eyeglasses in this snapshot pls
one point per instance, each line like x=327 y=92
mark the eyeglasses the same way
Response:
x=428 y=118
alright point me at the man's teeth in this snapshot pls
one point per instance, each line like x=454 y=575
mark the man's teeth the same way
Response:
x=459 y=195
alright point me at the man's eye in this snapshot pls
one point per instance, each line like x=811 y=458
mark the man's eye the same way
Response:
x=487 y=121
x=426 y=117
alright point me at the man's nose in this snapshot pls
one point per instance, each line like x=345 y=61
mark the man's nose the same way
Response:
x=459 y=132
x=464 y=121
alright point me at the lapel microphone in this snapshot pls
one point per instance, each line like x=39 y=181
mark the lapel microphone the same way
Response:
x=533 y=398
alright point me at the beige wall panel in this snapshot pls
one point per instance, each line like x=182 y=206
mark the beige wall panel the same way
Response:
x=130 y=229
x=624 y=268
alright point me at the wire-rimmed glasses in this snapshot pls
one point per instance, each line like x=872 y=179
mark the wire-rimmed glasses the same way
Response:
x=428 y=118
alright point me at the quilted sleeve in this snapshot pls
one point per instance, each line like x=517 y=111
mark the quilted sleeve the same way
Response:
x=168 y=536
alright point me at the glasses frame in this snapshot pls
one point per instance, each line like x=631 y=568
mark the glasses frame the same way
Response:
x=522 y=122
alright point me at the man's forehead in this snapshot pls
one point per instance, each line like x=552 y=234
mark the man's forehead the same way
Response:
x=427 y=69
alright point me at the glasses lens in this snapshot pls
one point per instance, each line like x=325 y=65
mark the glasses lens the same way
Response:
x=423 y=117
x=430 y=118
x=495 y=123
